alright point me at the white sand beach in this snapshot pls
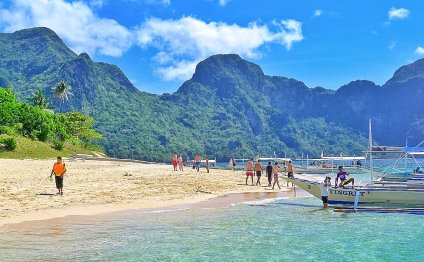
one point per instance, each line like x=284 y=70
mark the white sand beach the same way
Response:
x=94 y=187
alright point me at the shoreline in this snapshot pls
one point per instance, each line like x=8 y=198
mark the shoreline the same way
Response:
x=84 y=213
x=100 y=187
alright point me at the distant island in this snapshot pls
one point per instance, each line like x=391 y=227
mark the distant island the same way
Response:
x=228 y=108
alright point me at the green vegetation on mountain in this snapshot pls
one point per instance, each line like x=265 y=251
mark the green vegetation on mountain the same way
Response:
x=228 y=108
x=21 y=123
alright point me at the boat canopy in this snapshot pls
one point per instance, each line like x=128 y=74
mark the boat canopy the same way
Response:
x=414 y=150
x=343 y=158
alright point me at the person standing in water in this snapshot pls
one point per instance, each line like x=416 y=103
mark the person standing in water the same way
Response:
x=269 y=173
x=197 y=161
x=258 y=170
x=59 y=169
x=249 y=170
x=325 y=191
x=275 y=171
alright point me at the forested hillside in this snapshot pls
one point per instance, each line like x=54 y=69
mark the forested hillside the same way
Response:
x=229 y=107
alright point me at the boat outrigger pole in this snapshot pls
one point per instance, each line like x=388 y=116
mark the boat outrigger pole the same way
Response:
x=370 y=149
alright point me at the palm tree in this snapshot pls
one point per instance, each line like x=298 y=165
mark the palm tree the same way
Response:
x=62 y=91
x=40 y=100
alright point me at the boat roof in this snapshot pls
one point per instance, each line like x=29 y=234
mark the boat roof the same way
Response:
x=343 y=158
x=336 y=158
x=414 y=150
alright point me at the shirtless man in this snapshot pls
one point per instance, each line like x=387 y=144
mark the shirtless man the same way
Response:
x=249 y=170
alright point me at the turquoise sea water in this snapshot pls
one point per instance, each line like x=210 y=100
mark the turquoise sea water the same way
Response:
x=263 y=230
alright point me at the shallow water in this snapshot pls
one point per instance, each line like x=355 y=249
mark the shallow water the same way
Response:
x=264 y=230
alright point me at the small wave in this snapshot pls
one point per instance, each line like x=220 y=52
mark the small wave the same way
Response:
x=260 y=202
x=161 y=211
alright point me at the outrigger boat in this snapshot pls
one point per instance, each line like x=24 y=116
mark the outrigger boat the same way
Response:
x=407 y=192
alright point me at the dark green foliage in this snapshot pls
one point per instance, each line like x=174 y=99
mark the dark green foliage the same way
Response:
x=9 y=143
x=18 y=118
x=58 y=144
x=229 y=107
x=79 y=126
x=39 y=100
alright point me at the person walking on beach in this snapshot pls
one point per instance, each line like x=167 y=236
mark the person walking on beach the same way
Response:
x=289 y=171
x=174 y=161
x=275 y=171
x=249 y=170
x=207 y=164
x=269 y=173
x=258 y=169
x=342 y=175
x=325 y=192
x=180 y=162
x=197 y=161
x=59 y=169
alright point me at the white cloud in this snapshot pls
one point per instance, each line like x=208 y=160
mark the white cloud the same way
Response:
x=188 y=40
x=160 y=2
x=179 y=44
x=223 y=2
x=419 y=50
x=96 y=3
x=75 y=22
x=317 y=13
x=181 y=70
x=398 y=13
x=392 y=45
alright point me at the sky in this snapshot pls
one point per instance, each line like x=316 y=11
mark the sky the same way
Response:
x=157 y=43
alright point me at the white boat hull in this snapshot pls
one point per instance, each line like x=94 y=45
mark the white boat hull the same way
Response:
x=388 y=195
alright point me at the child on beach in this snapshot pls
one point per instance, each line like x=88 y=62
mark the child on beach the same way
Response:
x=258 y=169
x=269 y=173
x=275 y=171
x=249 y=170
x=174 y=161
x=58 y=170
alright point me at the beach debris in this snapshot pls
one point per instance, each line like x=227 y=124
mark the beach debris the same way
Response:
x=128 y=174
x=200 y=190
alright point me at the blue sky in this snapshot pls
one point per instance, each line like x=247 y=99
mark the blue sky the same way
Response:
x=157 y=43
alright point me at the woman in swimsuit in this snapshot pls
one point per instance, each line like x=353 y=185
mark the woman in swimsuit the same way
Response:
x=174 y=161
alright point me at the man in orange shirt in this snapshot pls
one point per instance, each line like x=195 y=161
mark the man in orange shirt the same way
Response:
x=59 y=170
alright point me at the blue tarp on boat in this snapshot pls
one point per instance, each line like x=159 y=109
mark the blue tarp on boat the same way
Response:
x=413 y=149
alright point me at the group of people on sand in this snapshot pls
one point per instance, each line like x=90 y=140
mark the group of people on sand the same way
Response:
x=179 y=164
x=272 y=172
